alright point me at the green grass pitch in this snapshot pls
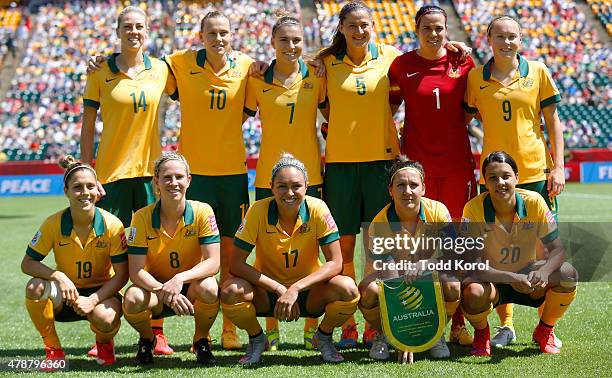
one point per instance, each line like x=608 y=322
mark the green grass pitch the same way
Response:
x=585 y=330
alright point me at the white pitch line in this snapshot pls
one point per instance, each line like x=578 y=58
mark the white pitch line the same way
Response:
x=587 y=195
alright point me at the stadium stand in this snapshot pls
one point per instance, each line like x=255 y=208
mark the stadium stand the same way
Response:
x=603 y=10
x=555 y=32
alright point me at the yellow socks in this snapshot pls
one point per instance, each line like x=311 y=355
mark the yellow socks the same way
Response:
x=505 y=313
x=451 y=307
x=336 y=313
x=243 y=315
x=555 y=306
x=204 y=315
x=141 y=321
x=104 y=337
x=479 y=321
x=41 y=313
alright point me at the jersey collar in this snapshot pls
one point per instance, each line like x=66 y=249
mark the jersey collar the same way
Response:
x=156 y=216
x=394 y=220
x=112 y=62
x=372 y=50
x=269 y=75
x=303 y=213
x=523 y=68
x=67 y=225
x=201 y=59
x=489 y=211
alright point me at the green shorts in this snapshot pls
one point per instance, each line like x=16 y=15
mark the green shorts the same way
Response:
x=123 y=197
x=313 y=191
x=356 y=192
x=540 y=187
x=227 y=195
x=302 y=299
x=167 y=311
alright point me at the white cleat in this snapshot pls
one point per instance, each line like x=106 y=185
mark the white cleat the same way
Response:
x=504 y=335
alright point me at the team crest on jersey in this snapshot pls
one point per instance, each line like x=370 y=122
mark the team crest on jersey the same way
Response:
x=329 y=220
x=36 y=237
x=236 y=73
x=132 y=235
x=528 y=226
x=304 y=228
x=307 y=85
x=190 y=231
x=454 y=72
x=527 y=83
x=101 y=243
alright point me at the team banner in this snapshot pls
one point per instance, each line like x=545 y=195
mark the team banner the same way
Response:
x=413 y=315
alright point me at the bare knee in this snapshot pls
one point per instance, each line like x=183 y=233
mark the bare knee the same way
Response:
x=105 y=317
x=451 y=290
x=475 y=298
x=135 y=300
x=207 y=290
x=234 y=290
x=369 y=294
x=35 y=288
x=345 y=288
x=568 y=278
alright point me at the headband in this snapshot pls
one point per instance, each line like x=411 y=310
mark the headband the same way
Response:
x=430 y=9
x=289 y=164
x=405 y=169
x=78 y=166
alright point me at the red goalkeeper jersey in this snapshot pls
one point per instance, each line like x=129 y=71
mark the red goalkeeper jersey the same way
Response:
x=434 y=130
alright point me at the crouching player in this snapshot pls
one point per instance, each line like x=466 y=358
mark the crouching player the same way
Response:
x=408 y=213
x=173 y=258
x=511 y=221
x=89 y=249
x=287 y=280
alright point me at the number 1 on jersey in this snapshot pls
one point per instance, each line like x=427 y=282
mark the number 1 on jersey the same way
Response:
x=437 y=92
x=295 y=254
x=142 y=101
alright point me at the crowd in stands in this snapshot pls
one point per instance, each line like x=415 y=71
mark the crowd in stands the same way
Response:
x=603 y=11
x=41 y=112
x=556 y=32
x=13 y=30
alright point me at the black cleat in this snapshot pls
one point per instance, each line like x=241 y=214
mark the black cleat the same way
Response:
x=144 y=355
x=203 y=353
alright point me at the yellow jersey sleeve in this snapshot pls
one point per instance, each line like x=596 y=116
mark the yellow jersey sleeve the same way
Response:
x=549 y=94
x=469 y=104
x=247 y=233
x=250 y=102
x=118 y=241
x=44 y=239
x=208 y=232
x=137 y=236
x=327 y=231
x=547 y=225
x=472 y=218
x=91 y=97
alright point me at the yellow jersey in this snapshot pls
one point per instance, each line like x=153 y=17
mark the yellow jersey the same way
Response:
x=167 y=254
x=515 y=250
x=511 y=115
x=211 y=112
x=88 y=265
x=284 y=257
x=130 y=138
x=288 y=120
x=361 y=126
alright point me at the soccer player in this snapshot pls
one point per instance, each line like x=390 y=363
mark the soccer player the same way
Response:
x=89 y=249
x=411 y=213
x=361 y=138
x=511 y=94
x=127 y=88
x=431 y=82
x=287 y=97
x=173 y=258
x=287 y=279
x=512 y=221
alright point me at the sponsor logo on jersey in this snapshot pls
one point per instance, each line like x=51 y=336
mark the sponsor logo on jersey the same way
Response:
x=484 y=86
x=213 y=223
x=36 y=237
x=411 y=74
x=132 y=235
x=108 y=80
x=329 y=220
x=195 y=73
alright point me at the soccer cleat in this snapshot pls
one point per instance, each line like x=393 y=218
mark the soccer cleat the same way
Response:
x=440 y=349
x=51 y=355
x=545 y=337
x=93 y=352
x=105 y=353
x=161 y=343
x=145 y=351
x=379 y=349
x=460 y=335
x=230 y=340
x=349 y=337
x=482 y=343
x=558 y=342
x=325 y=344
x=256 y=347
x=203 y=352
x=272 y=339
x=504 y=335
x=309 y=340
x=368 y=337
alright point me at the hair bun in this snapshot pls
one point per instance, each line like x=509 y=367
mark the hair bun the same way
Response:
x=67 y=161
x=281 y=12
